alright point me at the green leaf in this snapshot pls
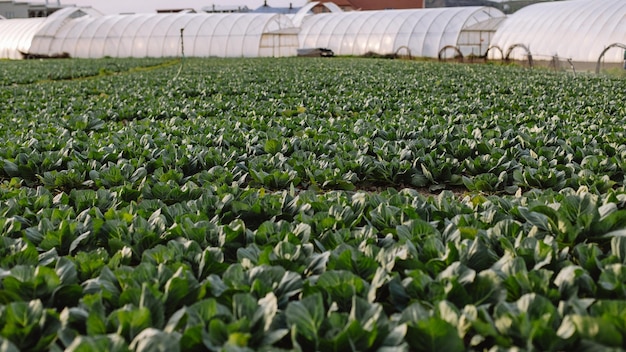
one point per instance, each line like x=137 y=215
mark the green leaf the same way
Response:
x=598 y=329
x=479 y=256
x=272 y=146
x=112 y=343
x=414 y=313
x=574 y=281
x=238 y=339
x=11 y=168
x=616 y=233
x=305 y=317
x=180 y=289
x=150 y=299
x=610 y=224
x=369 y=315
x=212 y=262
x=152 y=339
x=415 y=230
x=235 y=278
x=129 y=321
x=580 y=210
x=609 y=307
x=459 y=272
x=341 y=286
x=96 y=323
x=536 y=219
x=265 y=313
x=76 y=242
x=244 y=306
x=31 y=283
x=613 y=279
x=218 y=334
x=66 y=271
x=28 y=325
x=192 y=339
x=618 y=248
x=487 y=287
x=532 y=321
x=433 y=334
x=7 y=346
x=395 y=338
x=209 y=309
x=317 y=263
x=66 y=296
x=589 y=256
x=17 y=251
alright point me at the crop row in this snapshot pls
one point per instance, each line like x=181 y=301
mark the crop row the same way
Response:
x=14 y=73
x=453 y=134
x=370 y=271
x=307 y=205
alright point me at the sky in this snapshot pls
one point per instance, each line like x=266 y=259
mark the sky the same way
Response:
x=122 y=6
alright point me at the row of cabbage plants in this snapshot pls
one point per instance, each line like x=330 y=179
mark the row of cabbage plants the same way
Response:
x=304 y=204
x=14 y=73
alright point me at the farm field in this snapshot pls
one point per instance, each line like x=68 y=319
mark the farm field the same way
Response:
x=310 y=205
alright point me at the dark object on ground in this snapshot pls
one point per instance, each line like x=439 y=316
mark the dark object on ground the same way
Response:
x=30 y=56
x=371 y=54
x=316 y=52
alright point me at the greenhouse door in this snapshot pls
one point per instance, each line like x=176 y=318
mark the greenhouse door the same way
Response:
x=278 y=44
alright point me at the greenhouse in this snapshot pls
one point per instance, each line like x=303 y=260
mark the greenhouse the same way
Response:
x=578 y=29
x=423 y=32
x=16 y=35
x=84 y=33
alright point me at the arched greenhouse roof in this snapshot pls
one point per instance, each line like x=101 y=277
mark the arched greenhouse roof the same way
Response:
x=159 y=35
x=575 y=29
x=16 y=36
x=86 y=33
x=424 y=31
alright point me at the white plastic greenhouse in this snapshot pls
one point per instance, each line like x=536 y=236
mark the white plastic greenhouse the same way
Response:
x=423 y=32
x=85 y=33
x=17 y=35
x=577 y=29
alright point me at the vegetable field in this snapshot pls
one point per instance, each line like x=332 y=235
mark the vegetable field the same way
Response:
x=310 y=205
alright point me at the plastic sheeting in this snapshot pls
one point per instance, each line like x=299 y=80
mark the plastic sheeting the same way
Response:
x=85 y=33
x=158 y=35
x=16 y=35
x=424 y=32
x=577 y=29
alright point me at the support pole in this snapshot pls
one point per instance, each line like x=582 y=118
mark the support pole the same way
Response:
x=182 y=42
